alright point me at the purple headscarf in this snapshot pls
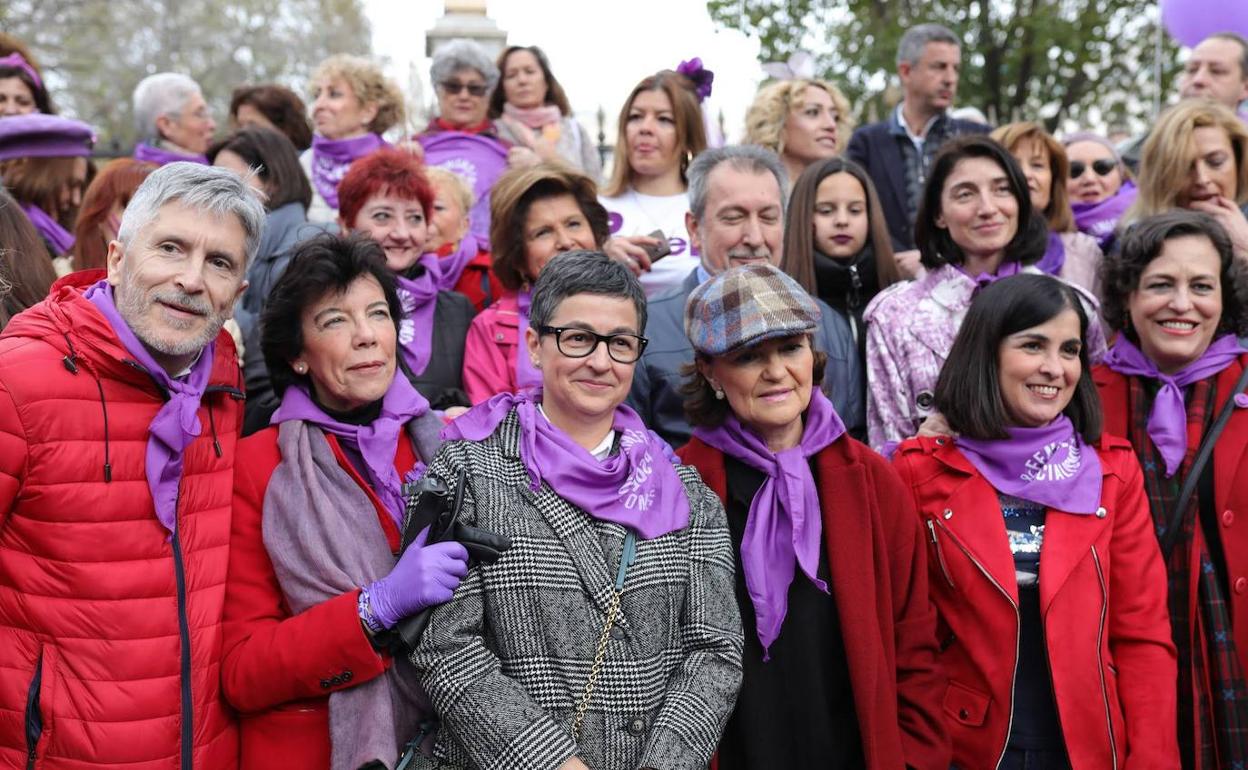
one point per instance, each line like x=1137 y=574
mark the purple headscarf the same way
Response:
x=160 y=156
x=58 y=237
x=418 y=297
x=332 y=157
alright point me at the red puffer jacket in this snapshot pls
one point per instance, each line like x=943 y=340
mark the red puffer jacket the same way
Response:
x=110 y=629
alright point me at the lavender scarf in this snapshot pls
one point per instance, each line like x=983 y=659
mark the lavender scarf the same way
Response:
x=1054 y=258
x=60 y=239
x=1100 y=220
x=332 y=157
x=527 y=376
x=784 y=527
x=983 y=280
x=1051 y=465
x=160 y=156
x=636 y=488
x=1167 y=423
x=176 y=423
x=452 y=266
x=419 y=298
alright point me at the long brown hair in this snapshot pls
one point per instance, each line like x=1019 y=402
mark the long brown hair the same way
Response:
x=690 y=133
x=26 y=264
x=799 y=230
x=1060 y=218
x=554 y=91
x=115 y=183
x=39 y=181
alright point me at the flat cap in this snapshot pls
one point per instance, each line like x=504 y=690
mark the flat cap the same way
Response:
x=746 y=305
x=44 y=136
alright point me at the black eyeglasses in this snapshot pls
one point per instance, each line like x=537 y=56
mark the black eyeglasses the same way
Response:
x=1102 y=167
x=579 y=343
x=453 y=87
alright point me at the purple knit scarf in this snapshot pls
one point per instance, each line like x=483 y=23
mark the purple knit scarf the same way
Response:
x=332 y=157
x=636 y=488
x=176 y=423
x=1099 y=220
x=784 y=527
x=60 y=239
x=1167 y=423
x=160 y=156
x=419 y=298
x=527 y=375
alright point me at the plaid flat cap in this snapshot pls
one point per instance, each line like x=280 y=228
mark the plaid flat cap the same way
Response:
x=746 y=305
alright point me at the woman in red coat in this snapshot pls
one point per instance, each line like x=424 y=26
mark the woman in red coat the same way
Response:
x=318 y=506
x=839 y=645
x=1044 y=568
x=1176 y=368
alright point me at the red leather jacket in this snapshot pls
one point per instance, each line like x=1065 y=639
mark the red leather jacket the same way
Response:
x=1103 y=596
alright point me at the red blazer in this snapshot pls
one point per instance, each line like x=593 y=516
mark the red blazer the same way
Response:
x=876 y=564
x=279 y=669
x=1230 y=492
x=1103 y=596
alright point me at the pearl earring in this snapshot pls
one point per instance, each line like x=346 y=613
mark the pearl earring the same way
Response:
x=719 y=395
x=301 y=368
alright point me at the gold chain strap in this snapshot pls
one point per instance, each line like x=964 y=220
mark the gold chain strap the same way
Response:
x=595 y=669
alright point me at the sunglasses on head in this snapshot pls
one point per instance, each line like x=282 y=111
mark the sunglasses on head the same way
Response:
x=453 y=87
x=1102 y=167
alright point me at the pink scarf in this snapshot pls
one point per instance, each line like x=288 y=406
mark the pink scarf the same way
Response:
x=534 y=117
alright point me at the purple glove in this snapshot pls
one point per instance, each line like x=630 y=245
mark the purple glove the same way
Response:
x=425 y=576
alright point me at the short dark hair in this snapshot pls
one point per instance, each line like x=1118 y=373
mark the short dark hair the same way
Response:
x=1142 y=243
x=935 y=246
x=1239 y=40
x=554 y=92
x=968 y=391
x=703 y=409
x=275 y=161
x=320 y=266
x=584 y=272
x=281 y=106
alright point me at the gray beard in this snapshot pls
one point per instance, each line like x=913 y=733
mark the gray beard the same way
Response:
x=131 y=307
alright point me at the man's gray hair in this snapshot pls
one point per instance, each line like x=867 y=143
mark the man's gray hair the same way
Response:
x=164 y=93
x=741 y=157
x=584 y=272
x=209 y=189
x=910 y=49
x=462 y=54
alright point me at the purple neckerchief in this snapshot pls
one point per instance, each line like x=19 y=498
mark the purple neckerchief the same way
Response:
x=452 y=266
x=636 y=488
x=785 y=523
x=527 y=375
x=1100 y=219
x=1054 y=255
x=60 y=239
x=176 y=423
x=1167 y=424
x=332 y=157
x=160 y=156
x=419 y=298
x=1051 y=465
x=18 y=61
x=985 y=279
x=376 y=441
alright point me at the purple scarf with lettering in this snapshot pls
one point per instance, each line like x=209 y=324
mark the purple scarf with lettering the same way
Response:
x=527 y=376
x=375 y=441
x=784 y=529
x=1054 y=255
x=1099 y=220
x=1167 y=423
x=636 y=488
x=1051 y=465
x=418 y=297
x=160 y=156
x=453 y=264
x=332 y=157
x=176 y=423
x=60 y=239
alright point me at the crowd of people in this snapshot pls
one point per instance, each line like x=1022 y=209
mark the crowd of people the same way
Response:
x=910 y=444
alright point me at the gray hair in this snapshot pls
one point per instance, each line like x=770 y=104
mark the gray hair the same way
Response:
x=462 y=54
x=162 y=94
x=212 y=190
x=910 y=49
x=583 y=272
x=742 y=157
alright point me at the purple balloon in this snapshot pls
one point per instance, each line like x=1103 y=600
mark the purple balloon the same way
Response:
x=1191 y=21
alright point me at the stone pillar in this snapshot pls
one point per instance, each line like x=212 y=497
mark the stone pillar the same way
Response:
x=466 y=19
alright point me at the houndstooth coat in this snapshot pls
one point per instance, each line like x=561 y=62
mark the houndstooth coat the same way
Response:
x=506 y=660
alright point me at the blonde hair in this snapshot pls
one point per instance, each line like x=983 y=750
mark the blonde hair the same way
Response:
x=454 y=184
x=370 y=85
x=1058 y=214
x=1168 y=154
x=765 y=120
x=690 y=133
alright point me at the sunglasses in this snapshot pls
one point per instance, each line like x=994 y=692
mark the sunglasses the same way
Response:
x=1102 y=167
x=454 y=87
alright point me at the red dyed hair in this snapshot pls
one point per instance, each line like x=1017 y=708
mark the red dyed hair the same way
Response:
x=388 y=171
x=115 y=183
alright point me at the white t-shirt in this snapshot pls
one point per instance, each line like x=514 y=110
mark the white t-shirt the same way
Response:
x=633 y=213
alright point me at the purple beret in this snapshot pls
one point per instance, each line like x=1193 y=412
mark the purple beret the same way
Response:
x=44 y=136
x=745 y=305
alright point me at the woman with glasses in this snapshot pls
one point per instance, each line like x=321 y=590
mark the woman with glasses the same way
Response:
x=1099 y=186
x=608 y=636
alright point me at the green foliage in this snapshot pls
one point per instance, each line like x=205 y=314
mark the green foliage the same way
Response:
x=94 y=52
x=1087 y=61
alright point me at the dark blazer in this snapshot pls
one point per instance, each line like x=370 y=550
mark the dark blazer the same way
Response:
x=876 y=148
x=442 y=382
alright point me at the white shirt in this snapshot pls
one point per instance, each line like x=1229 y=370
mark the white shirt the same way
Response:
x=634 y=213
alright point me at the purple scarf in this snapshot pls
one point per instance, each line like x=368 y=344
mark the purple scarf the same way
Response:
x=1099 y=220
x=419 y=298
x=636 y=488
x=160 y=156
x=985 y=279
x=784 y=527
x=176 y=423
x=452 y=266
x=60 y=239
x=1054 y=255
x=376 y=441
x=1051 y=465
x=332 y=157
x=1167 y=424
x=527 y=376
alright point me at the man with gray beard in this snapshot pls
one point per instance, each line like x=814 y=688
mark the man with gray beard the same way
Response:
x=120 y=404
x=737 y=198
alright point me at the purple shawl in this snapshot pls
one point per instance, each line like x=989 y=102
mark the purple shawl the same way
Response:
x=784 y=527
x=332 y=157
x=527 y=376
x=418 y=297
x=60 y=239
x=160 y=156
x=1099 y=220
x=637 y=487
